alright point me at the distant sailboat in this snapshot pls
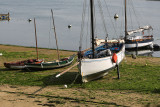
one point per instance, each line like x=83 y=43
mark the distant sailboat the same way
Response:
x=138 y=38
x=4 y=17
x=98 y=60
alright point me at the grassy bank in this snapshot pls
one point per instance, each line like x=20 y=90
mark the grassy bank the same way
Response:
x=139 y=75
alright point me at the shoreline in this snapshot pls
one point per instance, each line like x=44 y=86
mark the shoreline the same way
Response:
x=38 y=47
x=138 y=85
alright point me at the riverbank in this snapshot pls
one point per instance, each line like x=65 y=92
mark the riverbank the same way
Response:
x=138 y=85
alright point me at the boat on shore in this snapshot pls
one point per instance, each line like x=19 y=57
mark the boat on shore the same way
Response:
x=60 y=62
x=96 y=61
x=51 y=64
x=20 y=64
x=108 y=57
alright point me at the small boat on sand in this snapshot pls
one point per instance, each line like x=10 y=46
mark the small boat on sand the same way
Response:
x=60 y=62
x=21 y=64
x=138 y=38
x=51 y=64
x=96 y=61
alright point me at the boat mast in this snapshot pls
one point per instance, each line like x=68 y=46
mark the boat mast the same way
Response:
x=36 y=37
x=125 y=19
x=55 y=35
x=92 y=25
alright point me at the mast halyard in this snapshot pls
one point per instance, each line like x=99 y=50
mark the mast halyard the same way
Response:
x=55 y=35
x=92 y=25
x=125 y=4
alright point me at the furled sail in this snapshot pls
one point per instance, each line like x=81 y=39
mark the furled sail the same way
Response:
x=139 y=30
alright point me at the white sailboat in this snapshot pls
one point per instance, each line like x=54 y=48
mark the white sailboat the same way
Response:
x=139 y=38
x=96 y=61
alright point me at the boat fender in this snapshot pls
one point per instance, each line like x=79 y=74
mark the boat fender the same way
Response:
x=114 y=58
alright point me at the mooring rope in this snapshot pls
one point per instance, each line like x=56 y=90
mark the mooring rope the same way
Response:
x=103 y=19
x=110 y=18
x=82 y=24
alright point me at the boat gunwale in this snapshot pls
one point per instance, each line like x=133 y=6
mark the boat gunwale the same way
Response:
x=86 y=59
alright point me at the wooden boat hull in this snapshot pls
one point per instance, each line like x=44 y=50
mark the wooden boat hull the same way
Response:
x=51 y=64
x=139 y=44
x=91 y=69
x=16 y=67
x=20 y=64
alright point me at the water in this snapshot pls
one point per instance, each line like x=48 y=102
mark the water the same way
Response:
x=18 y=31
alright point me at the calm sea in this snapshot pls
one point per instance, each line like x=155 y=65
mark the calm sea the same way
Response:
x=18 y=31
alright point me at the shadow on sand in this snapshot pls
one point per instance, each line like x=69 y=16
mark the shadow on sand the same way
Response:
x=67 y=78
x=5 y=69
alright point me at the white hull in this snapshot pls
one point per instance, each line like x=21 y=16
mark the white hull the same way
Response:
x=91 y=69
x=138 y=45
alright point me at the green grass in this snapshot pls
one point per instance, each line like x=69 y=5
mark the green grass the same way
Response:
x=27 y=77
x=16 y=54
x=134 y=76
x=24 y=55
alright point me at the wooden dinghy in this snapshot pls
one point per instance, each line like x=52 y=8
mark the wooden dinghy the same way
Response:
x=60 y=62
x=51 y=64
x=21 y=64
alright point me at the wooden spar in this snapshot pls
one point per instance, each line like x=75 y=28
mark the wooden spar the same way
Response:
x=92 y=25
x=36 y=37
x=55 y=35
x=125 y=19
x=118 y=73
x=67 y=70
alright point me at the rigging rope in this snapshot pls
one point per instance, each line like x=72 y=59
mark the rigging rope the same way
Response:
x=82 y=24
x=122 y=21
x=135 y=13
x=87 y=29
x=95 y=30
x=111 y=19
x=50 y=26
x=131 y=19
x=102 y=16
